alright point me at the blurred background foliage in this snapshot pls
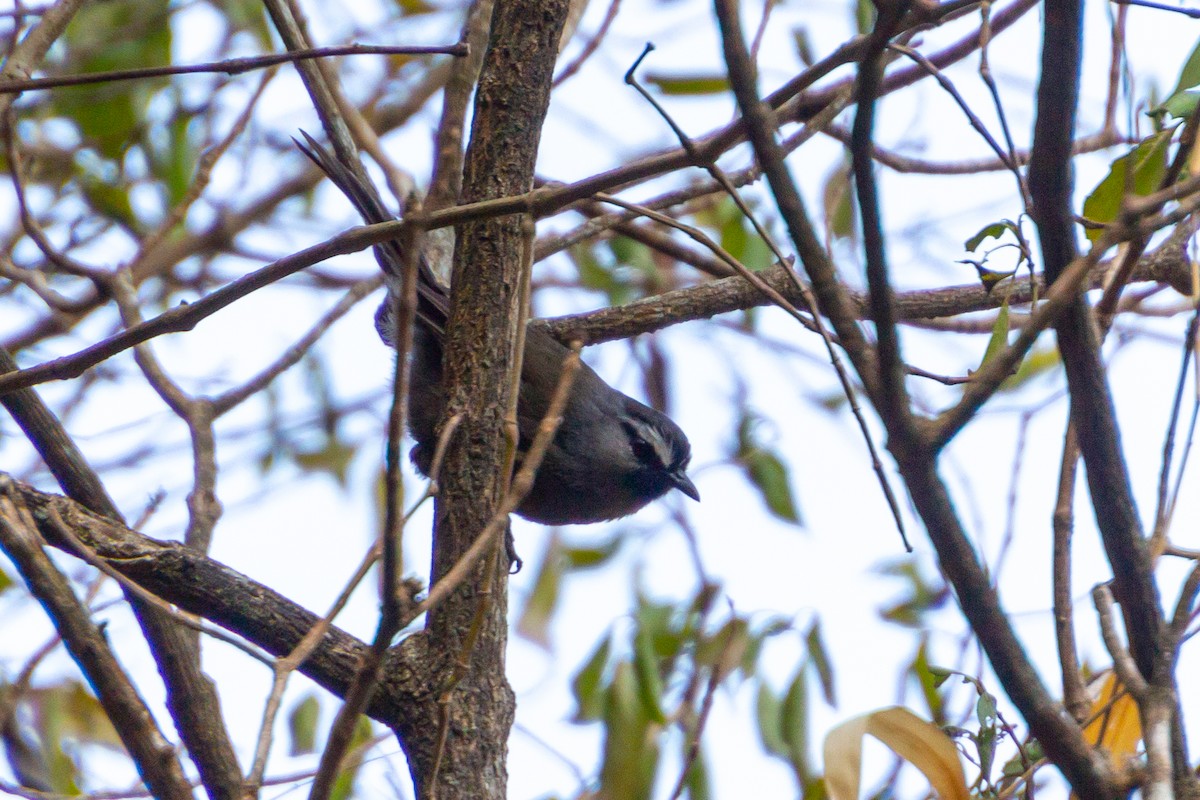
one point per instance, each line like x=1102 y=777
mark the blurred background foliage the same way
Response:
x=180 y=185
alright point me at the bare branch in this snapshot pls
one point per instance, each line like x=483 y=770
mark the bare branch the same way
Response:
x=154 y=755
x=1092 y=410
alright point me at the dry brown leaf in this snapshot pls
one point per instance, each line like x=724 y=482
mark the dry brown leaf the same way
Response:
x=918 y=742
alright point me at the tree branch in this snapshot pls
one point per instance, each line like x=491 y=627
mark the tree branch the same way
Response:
x=153 y=755
x=1092 y=410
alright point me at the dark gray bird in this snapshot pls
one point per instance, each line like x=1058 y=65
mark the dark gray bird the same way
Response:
x=611 y=454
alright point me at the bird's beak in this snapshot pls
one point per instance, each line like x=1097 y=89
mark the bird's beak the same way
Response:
x=684 y=484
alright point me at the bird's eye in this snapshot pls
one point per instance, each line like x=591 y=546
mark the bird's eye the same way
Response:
x=643 y=450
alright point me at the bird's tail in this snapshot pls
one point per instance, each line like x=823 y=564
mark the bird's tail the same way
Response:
x=433 y=304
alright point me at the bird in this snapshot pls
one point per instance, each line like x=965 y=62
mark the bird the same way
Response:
x=611 y=455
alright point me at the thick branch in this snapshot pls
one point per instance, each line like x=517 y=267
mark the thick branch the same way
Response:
x=1168 y=264
x=1091 y=402
x=153 y=755
x=483 y=350
x=1060 y=736
x=200 y=585
x=191 y=697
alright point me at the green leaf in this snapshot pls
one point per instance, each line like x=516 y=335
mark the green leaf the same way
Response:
x=821 y=662
x=929 y=679
x=999 y=338
x=632 y=253
x=302 y=726
x=864 y=16
x=814 y=789
x=1139 y=172
x=772 y=627
x=804 y=47
x=689 y=85
x=332 y=458
x=649 y=682
x=985 y=746
x=413 y=8
x=69 y=712
x=601 y=275
x=80 y=715
x=766 y=472
x=343 y=787
x=657 y=621
x=6 y=582
x=794 y=723
x=993 y=231
x=734 y=232
x=63 y=772
x=1014 y=767
x=584 y=558
x=923 y=596
x=1189 y=76
x=741 y=240
x=770 y=476
x=592 y=274
x=174 y=161
x=1180 y=106
x=27 y=757
x=735 y=238
x=631 y=746
x=249 y=16
x=838 y=202
x=723 y=650
x=769 y=711
x=1035 y=363
x=534 y=623
x=833 y=401
x=940 y=674
x=109 y=199
x=114 y=35
x=985 y=709
x=588 y=686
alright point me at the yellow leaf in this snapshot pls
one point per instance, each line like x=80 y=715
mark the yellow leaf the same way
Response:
x=1116 y=725
x=918 y=742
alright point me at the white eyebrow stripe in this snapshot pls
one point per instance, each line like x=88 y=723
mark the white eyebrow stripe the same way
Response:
x=661 y=448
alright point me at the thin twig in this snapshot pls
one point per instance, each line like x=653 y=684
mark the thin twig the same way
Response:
x=810 y=299
x=233 y=66
x=1075 y=696
x=1165 y=502
x=209 y=157
x=185 y=317
x=32 y=227
x=891 y=397
x=197 y=624
x=1194 y=13
x=292 y=356
x=1124 y=665
x=446 y=182
x=284 y=667
x=716 y=675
